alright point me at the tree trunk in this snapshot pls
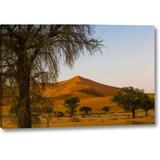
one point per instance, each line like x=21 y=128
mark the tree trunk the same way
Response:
x=72 y=112
x=71 y=115
x=24 y=110
x=133 y=113
x=146 y=113
x=48 y=123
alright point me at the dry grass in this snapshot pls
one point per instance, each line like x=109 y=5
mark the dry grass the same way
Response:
x=110 y=118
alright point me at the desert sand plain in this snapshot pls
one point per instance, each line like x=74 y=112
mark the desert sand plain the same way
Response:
x=90 y=93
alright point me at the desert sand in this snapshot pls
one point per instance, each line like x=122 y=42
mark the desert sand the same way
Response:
x=90 y=93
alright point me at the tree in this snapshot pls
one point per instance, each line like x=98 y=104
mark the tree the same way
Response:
x=72 y=104
x=105 y=109
x=85 y=110
x=36 y=113
x=47 y=109
x=13 y=113
x=32 y=53
x=47 y=114
x=129 y=99
x=147 y=103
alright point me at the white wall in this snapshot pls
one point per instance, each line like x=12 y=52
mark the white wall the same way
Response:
x=92 y=143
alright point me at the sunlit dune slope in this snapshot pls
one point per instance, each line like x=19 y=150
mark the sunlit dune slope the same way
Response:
x=90 y=93
x=79 y=86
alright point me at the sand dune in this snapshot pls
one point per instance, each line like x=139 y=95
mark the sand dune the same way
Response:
x=91 y=93
x=79 y=86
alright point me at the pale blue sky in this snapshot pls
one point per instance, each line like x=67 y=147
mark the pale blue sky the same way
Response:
x=127 y=60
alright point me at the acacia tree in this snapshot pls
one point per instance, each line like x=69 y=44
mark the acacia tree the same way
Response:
x=105 y=109
x=129 y=99
x=85 y=110
x=40 y=106
x=32 y=53
x=72 y=104
x=147 y=103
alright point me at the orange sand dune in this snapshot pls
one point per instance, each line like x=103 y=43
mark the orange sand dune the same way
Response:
x=79 y=86
x=90 y=93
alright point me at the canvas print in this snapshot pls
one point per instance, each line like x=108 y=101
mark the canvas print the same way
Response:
x=76 y=75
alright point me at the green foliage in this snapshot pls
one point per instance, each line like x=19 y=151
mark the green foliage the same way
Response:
x=129 y=99
x=147 y=103
x=72 y=103
x=105 y=109
x=85 y=110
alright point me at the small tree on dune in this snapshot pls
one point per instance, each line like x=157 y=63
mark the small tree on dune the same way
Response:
x=72 y=104
x=129 y=99
x=85 y=110
x=105 y=109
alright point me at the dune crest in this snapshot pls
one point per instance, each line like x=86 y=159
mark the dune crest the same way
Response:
x=79 y=86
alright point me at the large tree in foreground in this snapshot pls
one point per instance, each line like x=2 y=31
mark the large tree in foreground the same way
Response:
x=33 y=52
x=129 y=99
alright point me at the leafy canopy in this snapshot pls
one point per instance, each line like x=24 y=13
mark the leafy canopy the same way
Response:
x=43 y=47
x=85 y=109
x=129 y=98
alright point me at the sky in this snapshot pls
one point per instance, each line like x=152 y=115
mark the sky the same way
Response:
x=126 y=60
